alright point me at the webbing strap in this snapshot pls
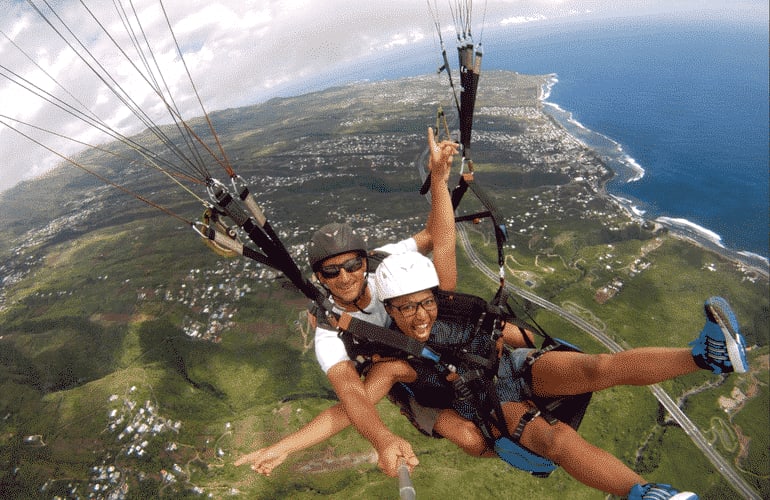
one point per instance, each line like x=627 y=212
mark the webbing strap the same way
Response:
x=263 y=235
x=252 y=254
x=481 y=194
x=391 y=338
x=459 y=191
x=528 y=417
x=486 y=363
x=501 y=233
x=473 y=217
x=568 y=409
x=482 y=415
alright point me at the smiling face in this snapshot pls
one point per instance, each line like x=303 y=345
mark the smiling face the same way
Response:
x=346 y=287
x=414 y=314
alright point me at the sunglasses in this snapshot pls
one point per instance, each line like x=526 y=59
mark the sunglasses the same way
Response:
x=350 y=266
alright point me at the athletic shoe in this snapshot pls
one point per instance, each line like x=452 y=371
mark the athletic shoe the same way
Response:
x=657 y=491
x=720 y=346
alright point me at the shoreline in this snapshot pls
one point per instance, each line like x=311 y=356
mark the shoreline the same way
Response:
x=625 y=169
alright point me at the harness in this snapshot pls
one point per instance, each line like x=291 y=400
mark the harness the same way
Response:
x=567 y=409
x=364 y=339
x=470 y=368
x=479 y=367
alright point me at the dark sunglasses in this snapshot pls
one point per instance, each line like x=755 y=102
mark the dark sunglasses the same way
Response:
x=350 y=266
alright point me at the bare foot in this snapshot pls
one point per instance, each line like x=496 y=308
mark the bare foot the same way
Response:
x=264 y=460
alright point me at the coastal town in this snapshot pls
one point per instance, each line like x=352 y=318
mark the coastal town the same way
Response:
x=211 y=294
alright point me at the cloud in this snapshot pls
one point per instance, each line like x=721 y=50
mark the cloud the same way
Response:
x=238 y=52
x=522 y=19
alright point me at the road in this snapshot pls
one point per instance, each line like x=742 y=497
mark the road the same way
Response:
x=723 y=466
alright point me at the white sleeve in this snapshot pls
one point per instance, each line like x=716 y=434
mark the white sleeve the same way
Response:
x=329 y=348
x=403 y=246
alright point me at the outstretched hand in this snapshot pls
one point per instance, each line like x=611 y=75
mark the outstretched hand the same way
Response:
x=441 y=155
x=264 y=460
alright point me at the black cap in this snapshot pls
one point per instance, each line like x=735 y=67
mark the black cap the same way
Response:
x=333 y=239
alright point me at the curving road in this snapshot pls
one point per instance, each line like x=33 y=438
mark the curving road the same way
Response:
x=723 y=466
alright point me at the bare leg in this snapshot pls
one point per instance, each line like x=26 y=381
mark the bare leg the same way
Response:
x=560 y=443
x=560 y=373
x=463 y=433
x=585 y=462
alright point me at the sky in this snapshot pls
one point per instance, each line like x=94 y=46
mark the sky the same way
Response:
x=238 y=52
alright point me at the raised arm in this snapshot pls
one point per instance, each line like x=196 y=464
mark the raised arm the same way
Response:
x=516 y=336
x=439 y=233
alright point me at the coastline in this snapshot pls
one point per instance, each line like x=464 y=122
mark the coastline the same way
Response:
x=626 y=169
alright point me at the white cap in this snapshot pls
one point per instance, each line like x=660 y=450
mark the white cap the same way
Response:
x=405 y=273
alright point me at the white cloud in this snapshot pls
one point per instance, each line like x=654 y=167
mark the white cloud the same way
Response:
x=238 y=51
x=522 y=19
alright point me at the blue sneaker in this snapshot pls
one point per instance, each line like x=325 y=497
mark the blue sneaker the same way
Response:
x=720 y=346
x=658 y=491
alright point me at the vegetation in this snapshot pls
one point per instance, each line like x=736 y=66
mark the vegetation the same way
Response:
x=96 y=325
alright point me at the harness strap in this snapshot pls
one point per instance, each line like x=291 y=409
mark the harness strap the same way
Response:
x=482 y=195
x=512 y=451
x=528 y=417
x=486 y=363
x=494 y=412
x=381 y=335
x=467 y=181
x=567 y=409
x=501 y=233
x=472 y=375
x=482 y=415
x=536 y=355
x=522 y=326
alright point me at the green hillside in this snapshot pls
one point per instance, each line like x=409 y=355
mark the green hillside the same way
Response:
x=134 y=359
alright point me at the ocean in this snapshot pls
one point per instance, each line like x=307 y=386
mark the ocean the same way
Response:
x=678 y=109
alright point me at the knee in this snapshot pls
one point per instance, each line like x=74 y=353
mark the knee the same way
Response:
x=595 y=366
x=550 y=441
x=468 y=437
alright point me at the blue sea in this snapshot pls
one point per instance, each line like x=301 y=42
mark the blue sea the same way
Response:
x=679 y=109
x=683 y=105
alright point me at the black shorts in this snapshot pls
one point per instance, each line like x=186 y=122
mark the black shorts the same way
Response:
x=422 y=418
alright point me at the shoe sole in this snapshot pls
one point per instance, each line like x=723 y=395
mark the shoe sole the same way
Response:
x=685 y=495
x=734 y=348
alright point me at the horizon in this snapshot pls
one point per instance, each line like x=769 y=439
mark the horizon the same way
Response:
x=330 y=56
x=396 y=58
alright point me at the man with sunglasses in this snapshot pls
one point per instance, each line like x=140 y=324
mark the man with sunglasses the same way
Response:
x=340 y=262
